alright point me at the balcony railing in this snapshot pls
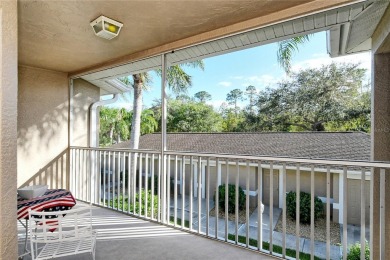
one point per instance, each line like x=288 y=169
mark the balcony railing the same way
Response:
x=179 y=189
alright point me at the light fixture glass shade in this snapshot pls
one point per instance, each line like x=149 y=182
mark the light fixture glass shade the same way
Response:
x=105 y=27
x=110 y=27
x=97 y=27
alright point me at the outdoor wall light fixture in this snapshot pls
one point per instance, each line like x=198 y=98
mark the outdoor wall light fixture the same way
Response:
x=105 y=27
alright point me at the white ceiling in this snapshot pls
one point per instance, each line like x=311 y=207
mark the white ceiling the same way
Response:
x=350 y=29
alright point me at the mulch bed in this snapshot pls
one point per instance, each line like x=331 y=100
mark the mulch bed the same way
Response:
x=319 y=229
x=232 y=216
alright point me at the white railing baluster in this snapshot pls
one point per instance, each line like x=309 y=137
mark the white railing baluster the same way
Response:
x=110 y=205
x=312 y=183
x=373 y=177
x=123 y=180
x=345 y=205
x=259 y=206
x=118 y=179
x=363 y=214
x=113 y=179
x=208 y=197
x=382 y=215
x=284 y=210
x=140 y=185
x=183 y=171
x=146 y=183
x=99 y=181
x=236 y=210
x=168 y=196
x=297 y=210
x=216 y=206
x=152 y=188
x=104 y=178
x=74 y=170
x=164 y=189
x=191 y=189
x=199 y=194
x=134 y=178
x=175 y=194
x=247 y=203
x=328 y=212
x=226 y=200
x=82 y=172
x=128 y=181
x=271 y=206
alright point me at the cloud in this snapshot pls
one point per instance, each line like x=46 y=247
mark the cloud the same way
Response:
x=237 y=77
x=319 y=60
x=225 y=83
x=262 y=80
x=216 y=103
x=121 y=104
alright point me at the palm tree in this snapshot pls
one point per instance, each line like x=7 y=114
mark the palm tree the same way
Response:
x=148 y=123
x=178 y=81
x=287 y=48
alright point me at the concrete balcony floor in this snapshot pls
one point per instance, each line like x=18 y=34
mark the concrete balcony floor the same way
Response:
x=124 y=237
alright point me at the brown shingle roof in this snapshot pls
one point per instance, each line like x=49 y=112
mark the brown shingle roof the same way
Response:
x=325 y=145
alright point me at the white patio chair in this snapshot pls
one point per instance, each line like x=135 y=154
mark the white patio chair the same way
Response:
x=73 y=233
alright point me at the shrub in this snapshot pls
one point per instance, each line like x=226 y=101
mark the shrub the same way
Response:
x=143 y=181
x=231 y=197
x=354 y=252
x=118 y=203
x=155 y=187
x=305 y=199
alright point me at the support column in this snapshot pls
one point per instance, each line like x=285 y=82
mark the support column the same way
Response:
x=164 y=192
x=380 y=150
x=8 y=128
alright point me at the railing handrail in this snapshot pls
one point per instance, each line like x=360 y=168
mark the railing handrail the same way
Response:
x=116 y=149
x=282 y=159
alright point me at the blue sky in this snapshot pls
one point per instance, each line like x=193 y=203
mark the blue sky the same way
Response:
x=256 y=66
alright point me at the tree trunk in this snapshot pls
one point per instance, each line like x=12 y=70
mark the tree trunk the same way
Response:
x=111 y=134
x=137 y=110
x=135 y=127
x=318 y=126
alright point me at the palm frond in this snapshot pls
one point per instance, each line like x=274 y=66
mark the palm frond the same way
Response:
x=194 y=64
x=287 y=48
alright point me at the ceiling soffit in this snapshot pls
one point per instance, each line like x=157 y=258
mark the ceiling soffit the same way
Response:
x=57 y=35
x=304 y=25
x=364 y=25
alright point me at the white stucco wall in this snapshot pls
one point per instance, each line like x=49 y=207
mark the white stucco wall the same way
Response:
x=8 y=115
x=42 y=120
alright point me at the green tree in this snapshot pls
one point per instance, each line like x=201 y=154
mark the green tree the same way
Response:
x=149 y=123
x=115 y=124
x=202 y=96
x=192 y=117
x=232 y=121
x=273 y=106
x=178 y=81
x=233 y=97
x=107 y=126
x=181 y=97
x=313 y=98
x=251 y=93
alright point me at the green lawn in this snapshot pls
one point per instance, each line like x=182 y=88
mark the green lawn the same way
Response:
x=275 y=248
x=253 y=242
